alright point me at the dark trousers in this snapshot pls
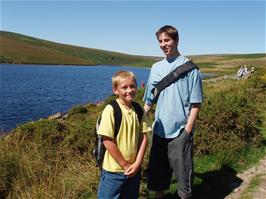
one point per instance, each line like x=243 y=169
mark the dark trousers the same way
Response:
x=171 y=156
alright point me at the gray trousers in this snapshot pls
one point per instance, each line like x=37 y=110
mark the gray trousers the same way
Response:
x=171 y=156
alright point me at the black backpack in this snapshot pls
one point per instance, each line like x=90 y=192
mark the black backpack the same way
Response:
x=99 y=149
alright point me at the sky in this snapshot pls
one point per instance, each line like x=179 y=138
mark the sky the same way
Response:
x=205 y=27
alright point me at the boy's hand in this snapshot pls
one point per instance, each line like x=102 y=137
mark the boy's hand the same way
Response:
x=132 y=170
x=126 y=167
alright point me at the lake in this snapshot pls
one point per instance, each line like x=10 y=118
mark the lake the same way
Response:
x=31 y=92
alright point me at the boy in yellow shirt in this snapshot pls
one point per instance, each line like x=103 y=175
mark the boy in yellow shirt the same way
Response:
x=120 y=175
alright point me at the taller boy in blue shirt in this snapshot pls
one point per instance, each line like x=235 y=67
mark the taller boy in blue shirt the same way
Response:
x=177 y=109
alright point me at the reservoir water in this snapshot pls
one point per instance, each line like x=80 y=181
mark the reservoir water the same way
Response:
x=31 y=92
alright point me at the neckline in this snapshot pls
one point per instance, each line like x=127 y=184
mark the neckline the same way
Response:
x=173 y=58
x=124 y=106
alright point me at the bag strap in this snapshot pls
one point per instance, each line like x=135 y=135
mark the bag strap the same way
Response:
x=138 y=110
x=172 y=77
x=117 y=116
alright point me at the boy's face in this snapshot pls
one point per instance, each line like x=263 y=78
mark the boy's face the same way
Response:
x=126 y=89
x=167 y=44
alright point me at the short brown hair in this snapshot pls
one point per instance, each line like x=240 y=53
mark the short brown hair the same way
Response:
x=170 y=31
x=122 y=74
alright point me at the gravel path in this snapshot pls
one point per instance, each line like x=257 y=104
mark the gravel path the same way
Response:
x=257 y=193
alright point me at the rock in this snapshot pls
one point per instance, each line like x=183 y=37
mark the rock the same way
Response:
x=55 y=116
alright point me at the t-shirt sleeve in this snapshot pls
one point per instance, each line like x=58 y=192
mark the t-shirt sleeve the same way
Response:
x=148 y=97
x=106 y=127
x=196 y=87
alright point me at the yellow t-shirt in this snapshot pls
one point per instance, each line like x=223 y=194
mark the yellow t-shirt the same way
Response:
x=127 y=139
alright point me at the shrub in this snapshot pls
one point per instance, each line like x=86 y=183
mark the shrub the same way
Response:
x=44 y=133
x=229 y=120
x=77 y=110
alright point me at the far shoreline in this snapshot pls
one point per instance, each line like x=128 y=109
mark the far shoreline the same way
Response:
x=67 y=65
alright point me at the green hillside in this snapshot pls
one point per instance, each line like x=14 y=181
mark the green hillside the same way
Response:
x=22 y=49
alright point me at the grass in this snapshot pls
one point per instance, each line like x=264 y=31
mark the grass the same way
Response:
x=22 y=49
x=207 y=64
x=250 y=56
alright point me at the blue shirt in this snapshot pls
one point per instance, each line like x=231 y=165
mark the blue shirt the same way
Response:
x=174 y=103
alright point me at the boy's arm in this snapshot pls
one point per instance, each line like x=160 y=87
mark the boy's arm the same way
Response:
x=134 y=168
x=112 y=148
x=142 y=148
x=192 y=117
x=147 y=108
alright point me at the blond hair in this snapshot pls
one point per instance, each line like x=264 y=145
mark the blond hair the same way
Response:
x=122 y=74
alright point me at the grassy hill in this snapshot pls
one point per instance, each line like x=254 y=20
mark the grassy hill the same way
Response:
x=22 y=49
x=228 y=63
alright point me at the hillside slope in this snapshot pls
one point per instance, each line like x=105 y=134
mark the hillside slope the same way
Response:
x=22 y=49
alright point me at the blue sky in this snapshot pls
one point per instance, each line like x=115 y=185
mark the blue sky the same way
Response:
x=205 y=27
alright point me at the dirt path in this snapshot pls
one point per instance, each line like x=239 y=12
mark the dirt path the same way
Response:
x=259 y=192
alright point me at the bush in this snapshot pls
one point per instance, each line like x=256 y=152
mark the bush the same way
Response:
x=44 y=133
x=77 y=110
x=229 y=120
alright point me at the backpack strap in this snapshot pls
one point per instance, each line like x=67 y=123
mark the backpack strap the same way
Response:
x=138 y=110
x=117 y=116
x=172 y=77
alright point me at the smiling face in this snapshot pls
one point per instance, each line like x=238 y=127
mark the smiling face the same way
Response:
x=126 y=90
x=168 y=45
